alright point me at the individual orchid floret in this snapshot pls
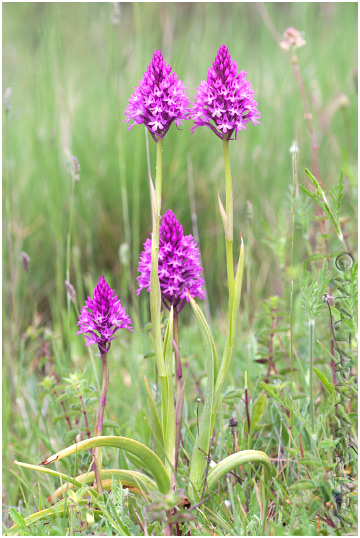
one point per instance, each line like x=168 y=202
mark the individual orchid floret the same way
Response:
x=224 y=101
x=102 y=316
x=179 y=265
x=292 y=38
x=159 y=100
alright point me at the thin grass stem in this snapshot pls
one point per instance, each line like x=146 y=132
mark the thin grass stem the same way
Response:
x=68 y=262
x=311 y=373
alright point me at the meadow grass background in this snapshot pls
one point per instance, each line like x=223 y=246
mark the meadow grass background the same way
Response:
x=71 y=68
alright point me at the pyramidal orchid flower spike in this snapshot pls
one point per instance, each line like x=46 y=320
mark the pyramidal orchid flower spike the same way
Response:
x=102 y=316
x=224 y=101
x=99 y=320
x=159 y=100
x=179 y=265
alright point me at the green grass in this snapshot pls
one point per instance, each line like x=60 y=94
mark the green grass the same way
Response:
x=71 y=72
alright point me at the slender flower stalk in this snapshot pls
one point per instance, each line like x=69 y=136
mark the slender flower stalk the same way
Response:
x=99 y=320
x=311 y=372
x=158 y=101
x=180 y=389
x=229 y=222
x=75 y=176
x=179 y=273
x=225 y=104
x=158 y=177
x=292 y=40
x=295 y=159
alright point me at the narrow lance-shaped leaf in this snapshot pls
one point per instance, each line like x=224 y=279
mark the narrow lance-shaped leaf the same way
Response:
x=129 y=478
x=157 y=428
x=169 y=434
x=155 y=293
x=230 y=339
x=202 y=439
x=150 y=460
x=235 y=460
x=223 y=216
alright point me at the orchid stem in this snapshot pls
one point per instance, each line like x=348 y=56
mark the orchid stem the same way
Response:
x=100 y=419
x=229 y=224
x=179 y=389
x=68 y=261
x=158 y=178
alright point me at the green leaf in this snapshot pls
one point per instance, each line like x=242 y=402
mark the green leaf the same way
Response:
x=223 y=216
x=230 y=339
x=70 y=435
x=157 y=428
x=155 y=293
x=110 y=506
x=311 y=194
x=19 y=520
x=258 y=411
x=235 y=460
x=56 y=510
x=148 y=458
x=110 y=424
x=325 y=489
x=202 y=439
x=310 y=461
x=324 y=380
x=271 y=390
x=168 y=396
x=303 y=484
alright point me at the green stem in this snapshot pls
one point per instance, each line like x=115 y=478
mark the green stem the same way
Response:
x=100 y=418
x=155 y=292
x=158 y=178
x=180 y=388
x=178 y=366
x=293 y=203
x=68 y=259
x=229 y=224
x=311 y=354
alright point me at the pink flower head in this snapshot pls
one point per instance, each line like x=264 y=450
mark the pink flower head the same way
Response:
x=224 y=101
x=159 y=100
x=179 y=265
x=292 y=38
x=102 y=316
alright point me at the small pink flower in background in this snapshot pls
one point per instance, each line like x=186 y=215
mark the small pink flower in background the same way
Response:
x=292 y=38
x=159 y=100
x=224 y=101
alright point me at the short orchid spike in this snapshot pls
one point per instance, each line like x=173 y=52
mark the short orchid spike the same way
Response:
x=102 y=316
x=179 y=265
x=224 y=101
x=159 y=100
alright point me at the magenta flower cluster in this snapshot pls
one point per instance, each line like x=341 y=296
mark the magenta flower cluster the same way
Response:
x=224 y=102
x=102 y=316
x=159 y=100
x=179 y=265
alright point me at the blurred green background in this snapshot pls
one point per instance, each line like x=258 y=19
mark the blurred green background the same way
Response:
x=72 y=67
